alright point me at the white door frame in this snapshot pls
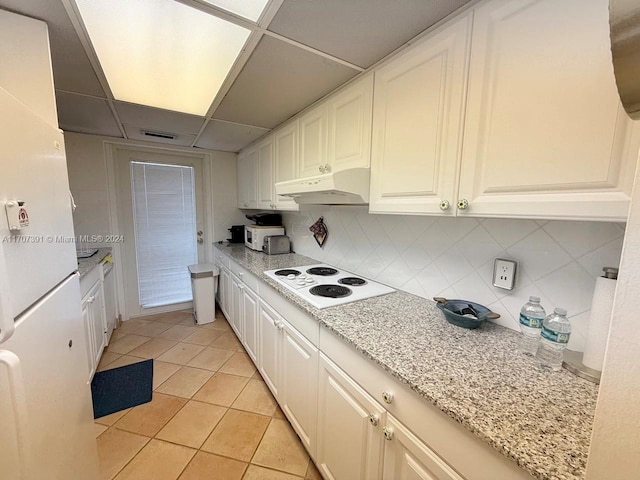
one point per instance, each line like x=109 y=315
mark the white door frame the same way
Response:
x=111 y=151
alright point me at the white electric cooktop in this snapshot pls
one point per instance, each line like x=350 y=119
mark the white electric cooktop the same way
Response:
x=325 y=286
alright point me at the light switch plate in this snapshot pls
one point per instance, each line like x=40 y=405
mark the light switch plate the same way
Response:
x=504 y=273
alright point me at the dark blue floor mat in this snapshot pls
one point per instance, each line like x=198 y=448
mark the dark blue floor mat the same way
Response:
x=123 y=387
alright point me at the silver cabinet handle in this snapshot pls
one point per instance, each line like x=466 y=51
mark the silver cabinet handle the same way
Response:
x=246 y=205
x=387 y=396
x=321 y=169
x=279 y=325
x=327 y=168
x=388 y=433
x=373 y=419
x=463 y=204
x=91 y=299
x=444 y=204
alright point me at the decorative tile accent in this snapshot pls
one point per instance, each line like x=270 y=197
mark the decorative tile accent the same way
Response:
x=453 y=257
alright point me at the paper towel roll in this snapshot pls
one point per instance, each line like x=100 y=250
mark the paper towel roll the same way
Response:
x=599 y=322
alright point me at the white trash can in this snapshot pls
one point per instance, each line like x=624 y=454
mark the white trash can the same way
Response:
x=203 y=286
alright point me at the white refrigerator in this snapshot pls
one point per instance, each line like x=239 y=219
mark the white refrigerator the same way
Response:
x=46 y=417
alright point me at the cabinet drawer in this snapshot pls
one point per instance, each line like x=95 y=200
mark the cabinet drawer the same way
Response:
x=294 y=315
x=244 y=275
x=221 y=258
x=461 y=449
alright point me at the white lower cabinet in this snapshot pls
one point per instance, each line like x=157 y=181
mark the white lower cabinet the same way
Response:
x=407 y=458
x=300 y=385
x=250 y=322
x=95 y=326
x=350 y=422
x=288 y=363
x=269 y=347
x=235 y=319
x=224 y=292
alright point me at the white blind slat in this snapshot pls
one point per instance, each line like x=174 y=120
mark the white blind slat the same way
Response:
x=164 y=217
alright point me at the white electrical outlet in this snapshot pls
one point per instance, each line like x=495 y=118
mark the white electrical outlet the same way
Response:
x=504 y=273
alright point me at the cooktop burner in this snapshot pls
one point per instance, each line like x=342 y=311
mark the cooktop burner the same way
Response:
x=322 y=271
x=352 y=281
x=331 y=291
x=287 y=271
x=324 y=286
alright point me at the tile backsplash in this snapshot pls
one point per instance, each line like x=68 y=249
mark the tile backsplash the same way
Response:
x=453 y=257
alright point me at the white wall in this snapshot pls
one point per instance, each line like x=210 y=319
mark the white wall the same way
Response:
x=453 y=257
x=88 y=182
x=615 y=451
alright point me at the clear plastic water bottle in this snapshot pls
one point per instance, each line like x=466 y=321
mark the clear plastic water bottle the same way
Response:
x=531 y=316
x=554 y=337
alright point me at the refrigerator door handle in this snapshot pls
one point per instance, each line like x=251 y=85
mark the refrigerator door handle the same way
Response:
x=7 y=324
x=11 y=362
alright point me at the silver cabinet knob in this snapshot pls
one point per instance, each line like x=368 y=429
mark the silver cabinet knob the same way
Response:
x=444 y=204
x=321 y=169
x=280 y=326
x=246 y=205
x=241 y=287
x=327 y=168
x=387 y=396
x=373 y=419
x=463 y=204
x=388 y=433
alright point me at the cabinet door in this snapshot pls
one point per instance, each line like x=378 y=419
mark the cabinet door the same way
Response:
x=349 y=427
x=224 y=294
x=417 y=124
x=299 y=385
x=545 y=135
x=110 y=303
x=89 y=339
x=250 y=323
x=407 y=458
x=99 y=322
x=236 y=308
x=265 y=174
x=286 y=161
x=269 y=343
x=350 y=126
x=247 y=172
x=313 y=142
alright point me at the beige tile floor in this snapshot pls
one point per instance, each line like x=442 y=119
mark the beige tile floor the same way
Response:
x=212 y=417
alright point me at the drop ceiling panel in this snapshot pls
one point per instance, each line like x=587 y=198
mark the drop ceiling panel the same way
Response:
x=277 y=82
x=79 y=113
x=135 y=133
x=158 y=119
x=72 y=70
x=358 y=31
x=228 y=137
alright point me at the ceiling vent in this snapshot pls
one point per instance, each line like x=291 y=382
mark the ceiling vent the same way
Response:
x=163 y=135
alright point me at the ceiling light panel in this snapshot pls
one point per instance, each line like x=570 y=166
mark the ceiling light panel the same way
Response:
x=162 y=53
x=250 y=9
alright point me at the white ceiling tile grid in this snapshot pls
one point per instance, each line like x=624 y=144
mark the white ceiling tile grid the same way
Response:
x=296 y=53
x=453 y=257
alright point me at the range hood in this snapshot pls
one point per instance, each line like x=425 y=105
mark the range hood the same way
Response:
x=624 y=22
x=345 y=187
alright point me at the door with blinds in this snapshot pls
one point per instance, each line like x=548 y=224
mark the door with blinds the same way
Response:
x=160 y=206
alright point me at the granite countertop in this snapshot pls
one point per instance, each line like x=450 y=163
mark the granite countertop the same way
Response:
x=543 y=421
x=85 y=265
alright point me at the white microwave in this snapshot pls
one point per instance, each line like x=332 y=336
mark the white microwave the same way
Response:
x=254 y=235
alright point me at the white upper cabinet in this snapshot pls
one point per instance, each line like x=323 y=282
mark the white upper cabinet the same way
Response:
x=350 y=126
x=417 y=124
x=26 y=64
x=312 y=159
x=545 y=134
x=265 y=175
x=247 y=172
x=286 y=161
